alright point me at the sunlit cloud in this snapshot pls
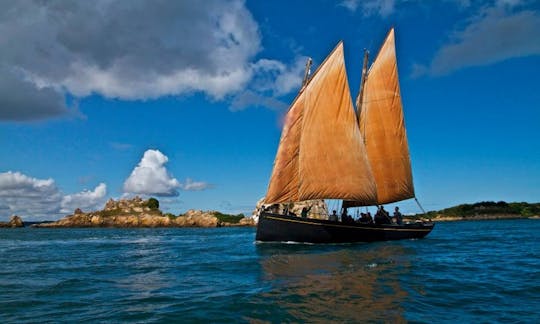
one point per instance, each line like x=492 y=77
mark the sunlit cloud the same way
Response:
x=33 y=198
x=85 y=200
x=150 y=176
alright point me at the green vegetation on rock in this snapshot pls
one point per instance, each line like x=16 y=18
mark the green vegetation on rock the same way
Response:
x=227 y=218
x=153 y=203
x=487 y=208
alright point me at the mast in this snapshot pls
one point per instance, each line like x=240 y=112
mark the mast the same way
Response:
x=360 y=95
x=307 y=71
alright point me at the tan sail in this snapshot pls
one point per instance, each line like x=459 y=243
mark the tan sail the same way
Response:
x=383 y=127
x=321 y=152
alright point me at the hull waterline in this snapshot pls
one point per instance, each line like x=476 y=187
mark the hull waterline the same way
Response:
x=281 y=228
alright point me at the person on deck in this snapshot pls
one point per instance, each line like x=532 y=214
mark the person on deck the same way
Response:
x=366 y=218
x=398 y=216
x=334 y=216
x=370 y=217
x=305 y=211
x=345 y=218
x=382 y=217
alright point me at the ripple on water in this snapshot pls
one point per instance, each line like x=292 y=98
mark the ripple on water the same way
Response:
x=463 y=271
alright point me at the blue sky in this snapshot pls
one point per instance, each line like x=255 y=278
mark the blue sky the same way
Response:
x=184 y=101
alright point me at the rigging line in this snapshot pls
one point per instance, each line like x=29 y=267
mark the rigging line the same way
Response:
x=422 y=208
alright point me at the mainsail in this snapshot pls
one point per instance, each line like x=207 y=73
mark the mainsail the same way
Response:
x=383 y=128
x=321 y=152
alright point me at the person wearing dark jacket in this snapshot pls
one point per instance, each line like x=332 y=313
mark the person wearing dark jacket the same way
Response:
x=398 y=216
x=382 y=217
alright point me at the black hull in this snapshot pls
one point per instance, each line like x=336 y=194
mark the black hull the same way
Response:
x=280 y=228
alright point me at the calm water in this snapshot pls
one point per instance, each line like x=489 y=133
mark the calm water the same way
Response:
x=485 y=271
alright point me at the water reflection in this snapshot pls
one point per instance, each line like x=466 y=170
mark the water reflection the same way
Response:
x=144 y=282
x=341 y=283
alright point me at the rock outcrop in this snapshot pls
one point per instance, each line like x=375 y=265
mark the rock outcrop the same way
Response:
x=197 y=218
x=15 y=221
x=247 y=221
x=137 y=213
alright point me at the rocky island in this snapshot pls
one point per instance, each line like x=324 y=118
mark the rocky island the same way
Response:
x=14 y=222
x=136 y=212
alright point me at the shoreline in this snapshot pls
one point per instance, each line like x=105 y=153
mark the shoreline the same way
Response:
x=51 y=224
x=479 y=217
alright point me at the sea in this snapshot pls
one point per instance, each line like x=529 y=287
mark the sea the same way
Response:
x=467 y=271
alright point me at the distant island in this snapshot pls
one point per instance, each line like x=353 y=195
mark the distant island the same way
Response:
x=136 y=212
x=484 y=210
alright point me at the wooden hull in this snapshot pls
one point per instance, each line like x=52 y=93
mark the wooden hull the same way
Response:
x=281 y=228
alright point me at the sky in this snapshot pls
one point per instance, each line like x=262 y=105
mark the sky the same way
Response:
x=184 y=100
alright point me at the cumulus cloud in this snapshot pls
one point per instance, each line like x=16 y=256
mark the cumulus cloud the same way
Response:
x=33 y=198
x=86 y=200
x=498 y=33
x=24 y=195
x=126 y=50
x=150 y=177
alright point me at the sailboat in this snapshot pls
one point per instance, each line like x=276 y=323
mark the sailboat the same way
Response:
x=328 y=150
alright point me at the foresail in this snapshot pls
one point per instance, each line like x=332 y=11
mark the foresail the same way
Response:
x=285 y=180
x=321 y=152
x=383 y=127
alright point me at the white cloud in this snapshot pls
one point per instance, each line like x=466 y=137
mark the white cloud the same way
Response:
x=150 y=177
x=85 y=200
x=131 y=50
x=40 y=199
x=126 y=50
x=191 y=185
x=271 y=80
x=290 y=78
x=24 y=195
x=278 y=78
x=497 y=34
